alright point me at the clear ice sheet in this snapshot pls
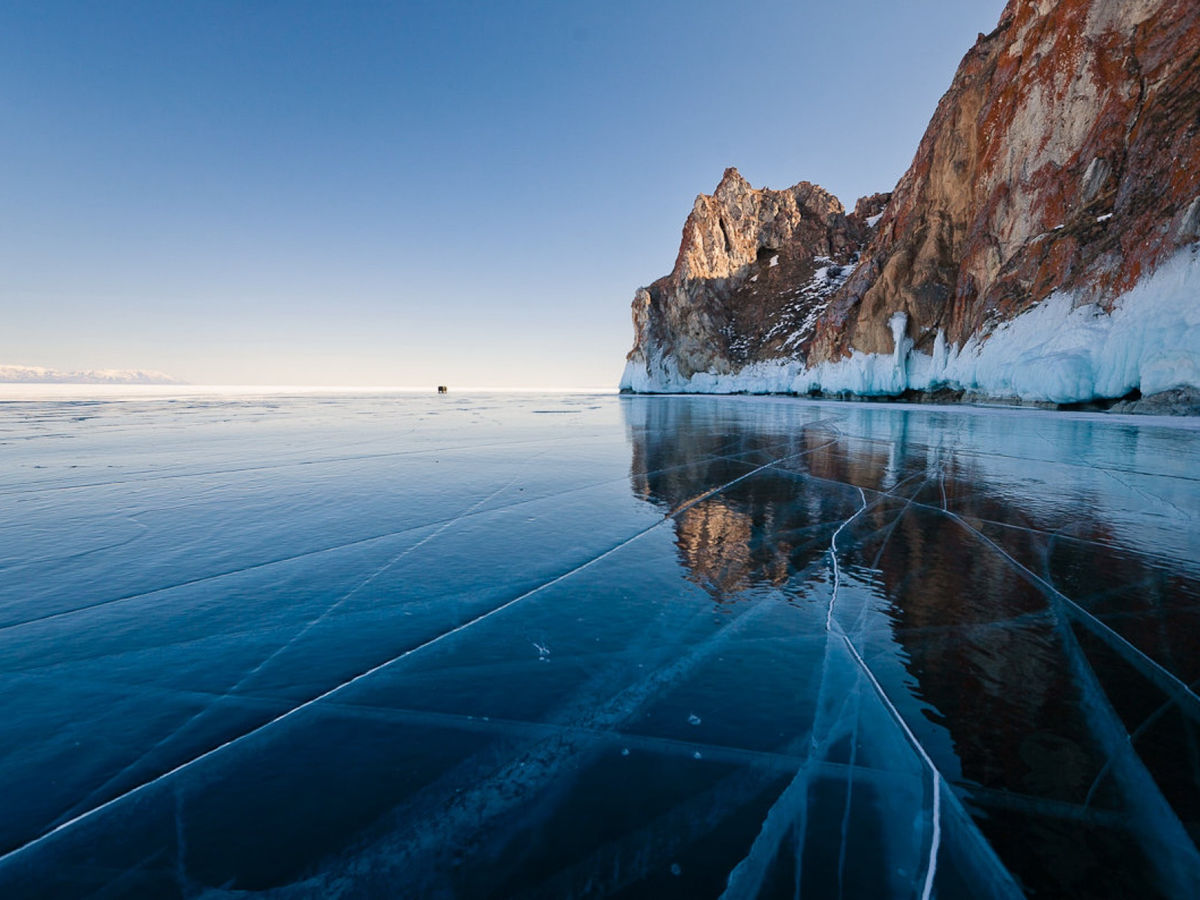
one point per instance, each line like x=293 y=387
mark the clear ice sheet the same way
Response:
x=566 y=645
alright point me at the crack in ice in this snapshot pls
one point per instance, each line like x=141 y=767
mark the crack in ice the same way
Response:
x=790 y=806
x=299 y=636
x=1162 y=677
x=837 y=572
x=203 y=579
x=1180 y=864
x=336 y=689
x=832 y=627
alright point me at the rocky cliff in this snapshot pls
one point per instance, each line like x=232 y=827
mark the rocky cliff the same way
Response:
x=1056 y=193
x=754 y=269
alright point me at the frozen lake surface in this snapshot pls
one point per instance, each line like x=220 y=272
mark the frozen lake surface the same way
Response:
x=572 y=645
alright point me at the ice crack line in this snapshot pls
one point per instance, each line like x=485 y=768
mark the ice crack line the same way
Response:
x=835 y=630
x=789 y=808
x=1166 y=680
x=336 y=689
x=837 y=571
x=151 y=475
x=935 y=776
x=308 y=627
x=305 y=554
x=1132 y=740
x=745 y=880
x=1178 y=864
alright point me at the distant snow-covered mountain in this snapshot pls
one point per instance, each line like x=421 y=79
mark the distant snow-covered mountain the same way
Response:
x=43 y=375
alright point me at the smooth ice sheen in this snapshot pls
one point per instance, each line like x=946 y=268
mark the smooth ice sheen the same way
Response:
x=574 y=645
x=1059 y=351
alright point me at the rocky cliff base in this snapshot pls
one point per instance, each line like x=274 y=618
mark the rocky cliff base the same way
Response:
x=1059 y=352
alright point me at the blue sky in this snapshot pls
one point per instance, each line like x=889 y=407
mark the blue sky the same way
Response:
x=412 y=193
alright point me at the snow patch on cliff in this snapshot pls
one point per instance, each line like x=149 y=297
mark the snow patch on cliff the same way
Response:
x=1057 y=351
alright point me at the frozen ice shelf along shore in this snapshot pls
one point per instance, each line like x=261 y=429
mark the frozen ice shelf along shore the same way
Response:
x=339 y=645
x=1060 y=351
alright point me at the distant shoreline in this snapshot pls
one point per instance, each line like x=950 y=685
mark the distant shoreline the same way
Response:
x=16 y=390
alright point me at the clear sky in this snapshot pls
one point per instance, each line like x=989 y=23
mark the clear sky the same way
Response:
x=412 y=193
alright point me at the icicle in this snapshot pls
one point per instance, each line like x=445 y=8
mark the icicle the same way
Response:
x=900 y=347
x=941 y=356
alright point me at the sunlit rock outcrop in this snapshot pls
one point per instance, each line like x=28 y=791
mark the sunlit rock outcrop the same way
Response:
x=1066 y=154
x=1061 y=169
x=755 y=268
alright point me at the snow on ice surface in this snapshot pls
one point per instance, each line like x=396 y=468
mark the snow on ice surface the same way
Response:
x=661 y=646
x=1056 y=352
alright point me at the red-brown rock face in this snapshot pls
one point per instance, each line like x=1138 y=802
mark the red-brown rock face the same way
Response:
x=1066 y=154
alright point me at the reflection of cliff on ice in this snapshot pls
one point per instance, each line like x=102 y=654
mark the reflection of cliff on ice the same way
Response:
x=979 y=545
x=1116 y=471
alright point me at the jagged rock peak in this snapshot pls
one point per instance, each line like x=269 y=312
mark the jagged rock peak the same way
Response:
x=754 y=265
x=732 y=181
x=728 y=229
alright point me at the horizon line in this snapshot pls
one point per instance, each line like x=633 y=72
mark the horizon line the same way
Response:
x=93 y=387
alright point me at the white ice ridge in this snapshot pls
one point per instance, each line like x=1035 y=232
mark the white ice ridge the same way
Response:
x=1059 y=351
